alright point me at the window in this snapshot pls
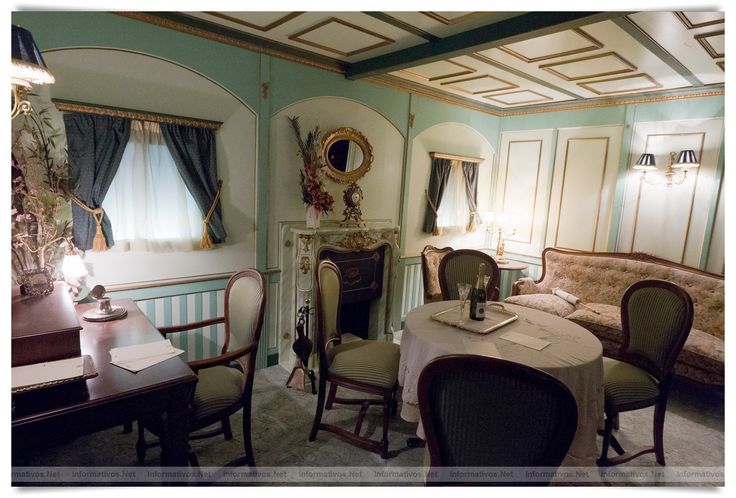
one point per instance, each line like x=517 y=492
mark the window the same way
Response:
x=149 y=206
x=453 y=210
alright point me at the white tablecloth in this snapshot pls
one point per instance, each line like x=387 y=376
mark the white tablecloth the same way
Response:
x=574 y=357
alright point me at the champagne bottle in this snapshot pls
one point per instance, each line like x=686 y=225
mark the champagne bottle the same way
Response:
x=478 y=296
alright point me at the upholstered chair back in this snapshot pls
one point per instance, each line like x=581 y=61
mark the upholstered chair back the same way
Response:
x=431 y=259
x=244 y=307
x=656 y=317
x=461 y=266
x=329 y=288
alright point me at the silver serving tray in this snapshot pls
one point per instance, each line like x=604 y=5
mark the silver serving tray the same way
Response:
x=496 y=317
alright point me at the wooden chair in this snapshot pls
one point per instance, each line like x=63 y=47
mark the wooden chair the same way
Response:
x=656 y=317
x=479 y=411
x=367 y=366
x=431 y=258
x=225 y=382
x=461 y=265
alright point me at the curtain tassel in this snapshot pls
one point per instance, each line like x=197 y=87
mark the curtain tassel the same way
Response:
x=471 y=225
x=206 y=241
x=99 y=243
x=437 y=230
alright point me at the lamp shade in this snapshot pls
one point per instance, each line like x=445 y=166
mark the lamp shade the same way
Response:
x=686 y=159
x=27 y=64
x=645 y=162
x=73 y=267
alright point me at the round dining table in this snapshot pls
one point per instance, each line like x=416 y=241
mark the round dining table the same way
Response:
x=573 y=356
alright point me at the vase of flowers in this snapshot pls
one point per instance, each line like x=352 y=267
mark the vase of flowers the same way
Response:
x=40 y=220
x=315 y=195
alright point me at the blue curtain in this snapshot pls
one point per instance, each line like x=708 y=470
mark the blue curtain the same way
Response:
x=194 y=152
x=438 y=178
x=95 y=145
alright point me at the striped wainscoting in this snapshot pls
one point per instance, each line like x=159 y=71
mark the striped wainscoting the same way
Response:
x=186 y=303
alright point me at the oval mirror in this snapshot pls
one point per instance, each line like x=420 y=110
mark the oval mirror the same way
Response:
x=347 y=154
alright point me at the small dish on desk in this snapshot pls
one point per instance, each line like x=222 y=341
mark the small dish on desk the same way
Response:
x=95 y=315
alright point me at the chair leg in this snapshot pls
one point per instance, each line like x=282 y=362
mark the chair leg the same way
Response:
x=331 y=396
x=616 y=422
x=320 y=407
x=140 y=445
x=607 y=430
x=226 y=430
x=247 y=443
x=387 y=403
x=659 y=412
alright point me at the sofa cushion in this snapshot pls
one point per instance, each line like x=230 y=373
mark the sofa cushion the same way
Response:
x=606 y=324
x=703 y=351
x=543 y=302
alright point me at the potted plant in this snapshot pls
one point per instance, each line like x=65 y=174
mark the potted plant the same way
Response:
x=40 y=216
x=315 y=195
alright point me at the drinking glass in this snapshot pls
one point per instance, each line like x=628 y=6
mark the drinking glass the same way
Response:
x=463 y=290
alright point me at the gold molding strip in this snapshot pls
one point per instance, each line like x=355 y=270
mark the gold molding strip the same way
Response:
x=522 y=102
x=703 y=40
x=335 y=67
x=69 y=106
x=596 y=45
x=267 y=27
x=454 y=85
x=297 y=37
x=449 y=22
x=467 y=70
x=690 y=25
x=453 y=157
x=655 y=84
x=548 y=67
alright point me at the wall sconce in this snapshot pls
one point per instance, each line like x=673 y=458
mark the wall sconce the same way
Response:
x=675 y=173
x=26 y=69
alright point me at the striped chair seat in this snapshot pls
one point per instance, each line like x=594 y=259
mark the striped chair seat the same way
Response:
x=625 y=384
x=375 y=363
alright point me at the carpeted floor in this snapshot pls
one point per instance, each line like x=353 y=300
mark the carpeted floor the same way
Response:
x=282 y=418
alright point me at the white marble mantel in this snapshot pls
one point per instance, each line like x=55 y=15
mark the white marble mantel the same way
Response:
x=301 y=247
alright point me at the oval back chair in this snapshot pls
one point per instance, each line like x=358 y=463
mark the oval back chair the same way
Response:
x=461 y=265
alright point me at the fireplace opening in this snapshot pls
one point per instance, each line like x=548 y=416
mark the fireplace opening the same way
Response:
x=362 y=284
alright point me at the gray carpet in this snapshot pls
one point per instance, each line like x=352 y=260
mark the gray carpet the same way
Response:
x=282 y=418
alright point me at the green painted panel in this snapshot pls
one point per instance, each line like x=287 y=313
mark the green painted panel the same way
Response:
x=183 y=312
x=704 y=107
x=234 y=68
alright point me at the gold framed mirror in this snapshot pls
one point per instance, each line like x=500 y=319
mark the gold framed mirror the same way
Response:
x=347 y=155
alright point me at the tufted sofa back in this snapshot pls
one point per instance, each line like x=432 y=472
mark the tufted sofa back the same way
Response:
x=604 y=277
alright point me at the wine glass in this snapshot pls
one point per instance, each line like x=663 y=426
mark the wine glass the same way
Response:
x=463 y=290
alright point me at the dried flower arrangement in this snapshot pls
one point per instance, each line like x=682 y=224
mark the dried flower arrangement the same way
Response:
x=40 y=216
x=314 y=191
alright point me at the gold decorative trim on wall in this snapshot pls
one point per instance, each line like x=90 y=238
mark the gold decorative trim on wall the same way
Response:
x=722 y=65
x=595 y=45
x=699 y=154
x=297 y=37
x=163 y=283
x=102 y=110
x=645 y=76
x=682 y=16
x=466 y=70
x=453 y=157
x=453 y=85
x=278 y=22
x=549 y=67
x=536 y=185
x=600 y=190
x=703 y=40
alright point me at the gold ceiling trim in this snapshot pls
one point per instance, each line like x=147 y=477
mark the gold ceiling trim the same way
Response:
x=703 y=40
x=449 y=22
x=596 y=45
x=227 y=40
x=495 y=95
x=266 y=28
x=467 y=70
x=116 y=112
x=454 y=85
x=655 y=84
x=682 y=16
x=298 y=37
x=557 y=72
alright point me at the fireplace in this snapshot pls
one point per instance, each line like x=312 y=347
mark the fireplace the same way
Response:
x=368 y=259
x=362 y=282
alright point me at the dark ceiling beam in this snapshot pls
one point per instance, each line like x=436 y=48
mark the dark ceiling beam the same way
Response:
x=515 y=29
x=382 y=16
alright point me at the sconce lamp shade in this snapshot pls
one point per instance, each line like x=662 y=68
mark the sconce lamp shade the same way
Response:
x=645 y=163
x=73 y=267
x=686 y=159
x=27 y=64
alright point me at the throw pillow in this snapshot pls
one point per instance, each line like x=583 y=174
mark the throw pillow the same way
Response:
x=543 y=302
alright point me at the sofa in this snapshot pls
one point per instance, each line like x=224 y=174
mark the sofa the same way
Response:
x=600 y=279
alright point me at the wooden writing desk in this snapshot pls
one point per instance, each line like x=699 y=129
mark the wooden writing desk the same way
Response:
x=112 y=398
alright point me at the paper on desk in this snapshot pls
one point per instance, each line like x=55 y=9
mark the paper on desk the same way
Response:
x=140 y=356
x=41 y=373
x=525 y=340
x=481 y=346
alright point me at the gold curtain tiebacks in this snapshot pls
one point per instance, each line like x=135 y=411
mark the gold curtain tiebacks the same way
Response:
x=99 y=243
x=437 y=230
x=206 y=241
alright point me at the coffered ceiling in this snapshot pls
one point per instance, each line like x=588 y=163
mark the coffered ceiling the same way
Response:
x=500 y=61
